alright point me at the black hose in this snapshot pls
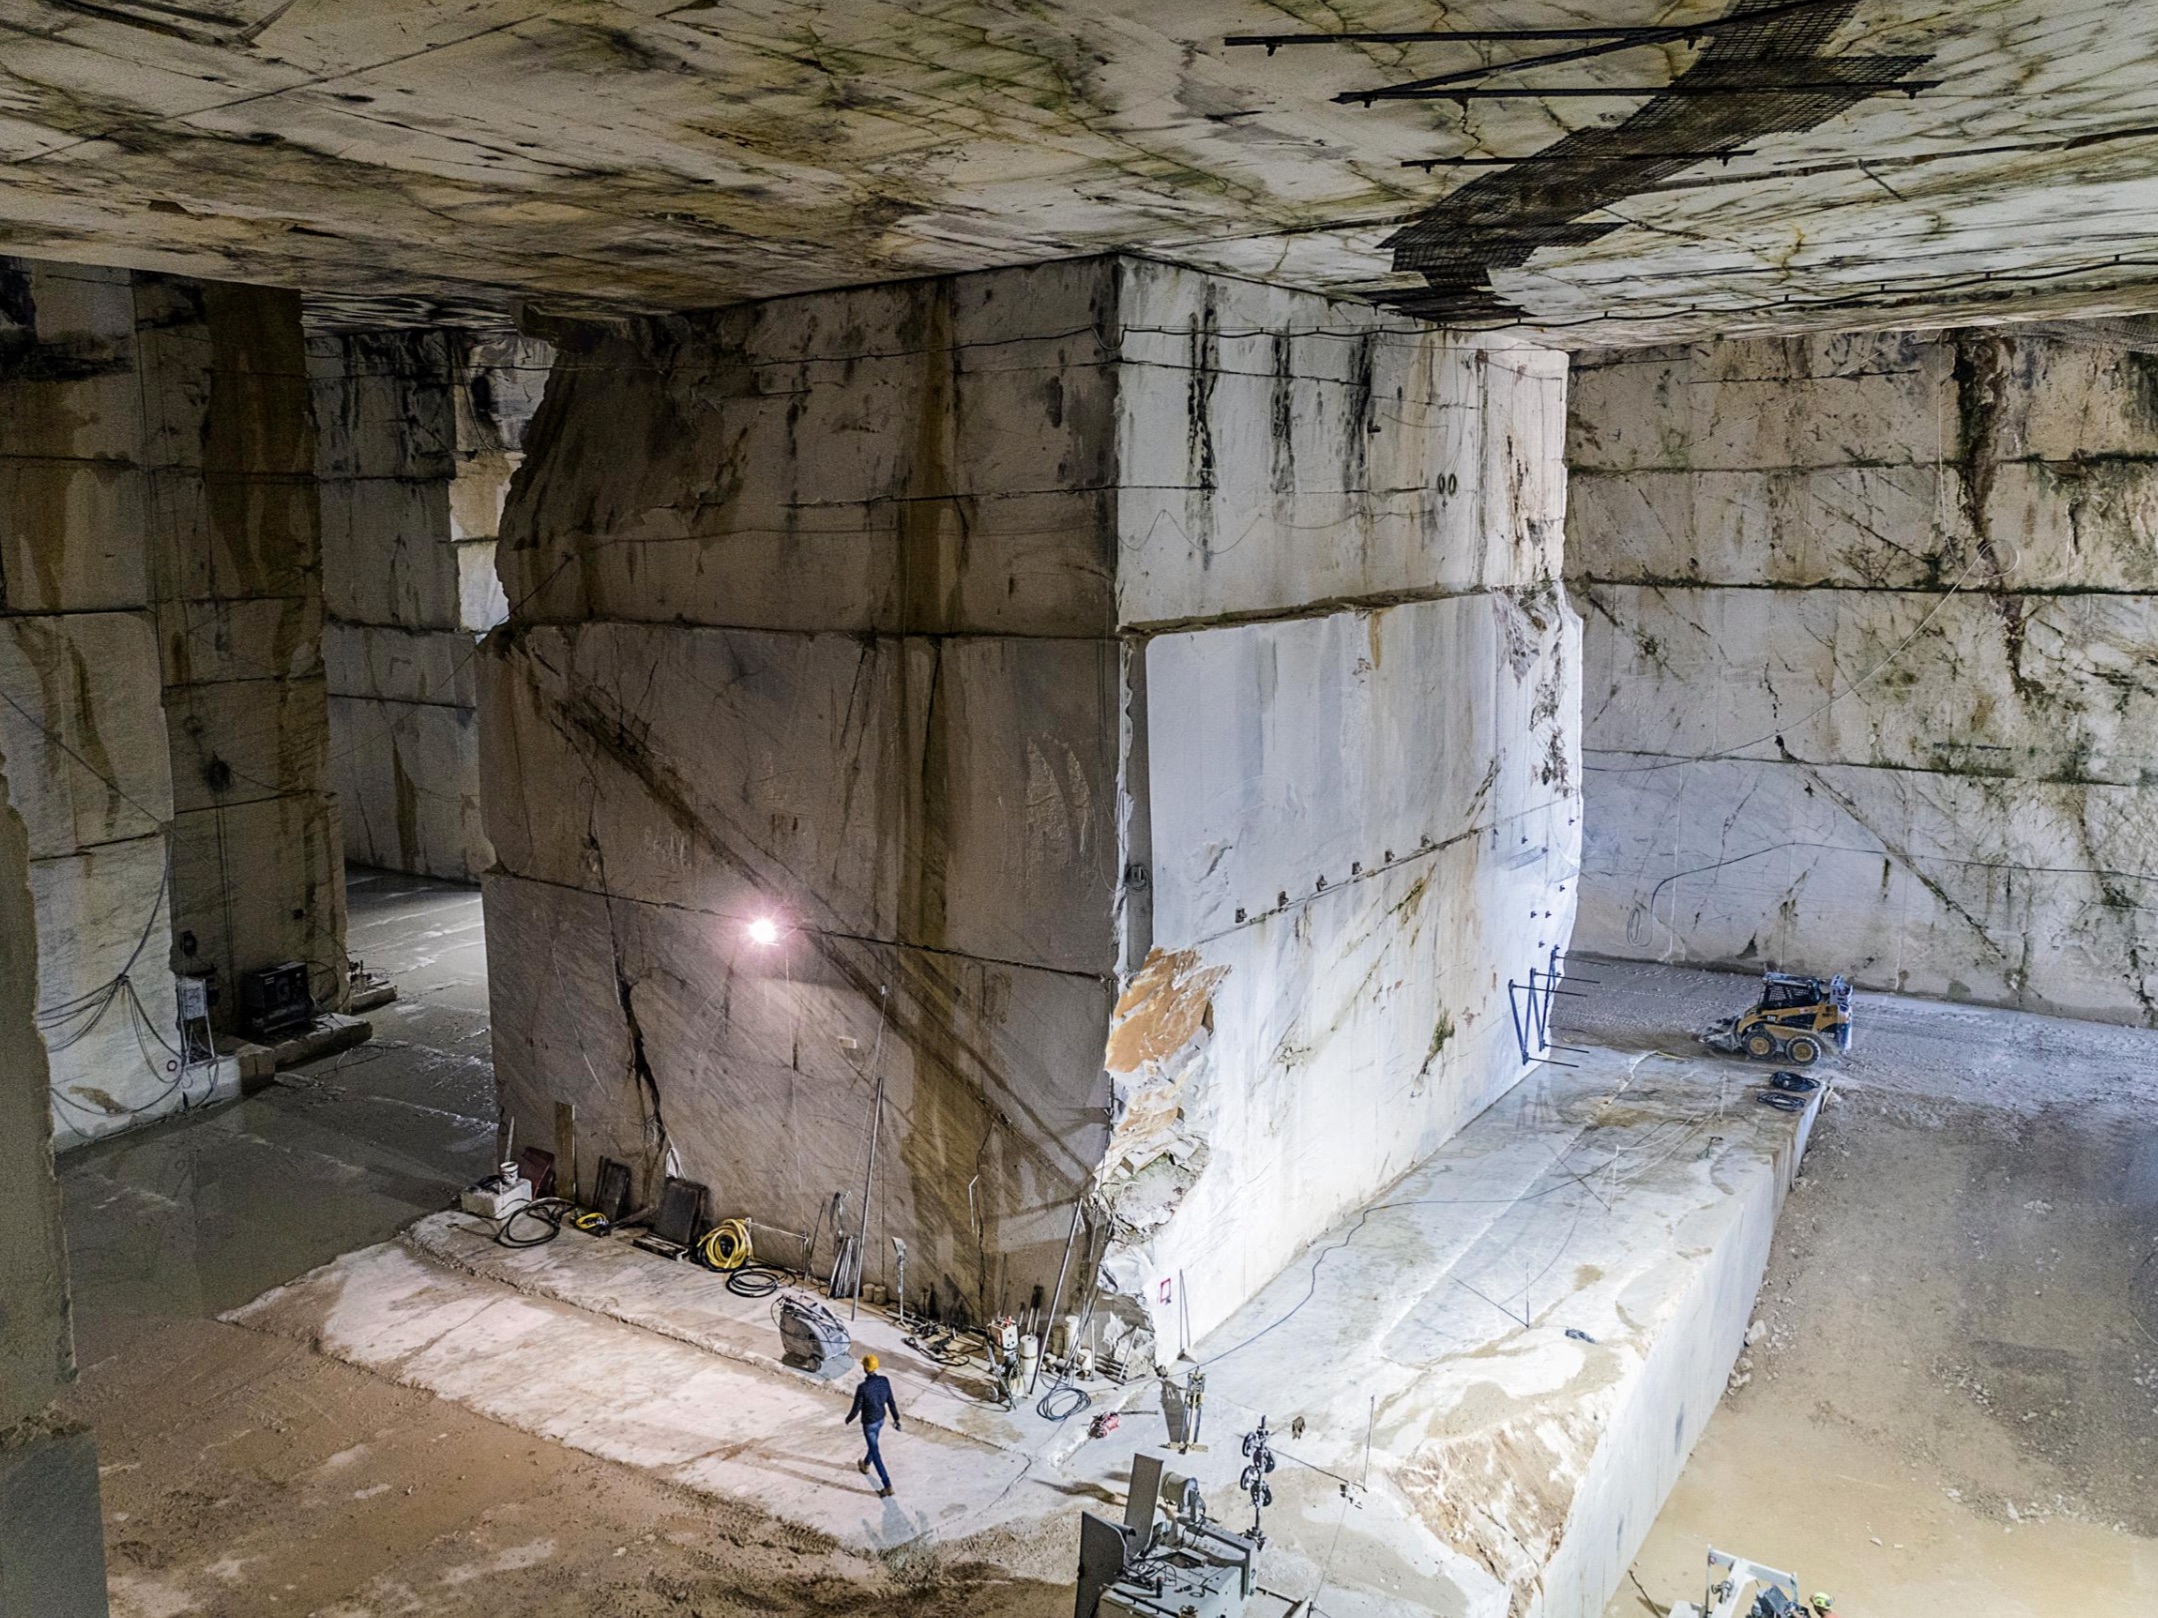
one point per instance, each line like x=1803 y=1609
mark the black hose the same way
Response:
x=1045 y=1406
x=547 y=1210
x=755 y=1281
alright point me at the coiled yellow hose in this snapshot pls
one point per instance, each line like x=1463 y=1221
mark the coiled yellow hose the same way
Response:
x=726 y=1245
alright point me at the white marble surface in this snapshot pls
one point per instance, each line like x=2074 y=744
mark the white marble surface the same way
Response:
x=1869 y=640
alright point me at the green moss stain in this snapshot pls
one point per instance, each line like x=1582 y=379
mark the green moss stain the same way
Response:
x=1441 y=1031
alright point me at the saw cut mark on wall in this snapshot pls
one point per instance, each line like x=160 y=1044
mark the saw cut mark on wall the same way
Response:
x=1773 y=76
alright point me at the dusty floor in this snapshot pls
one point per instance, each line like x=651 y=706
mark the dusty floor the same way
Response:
x=247 y=1476
x=1954 y=1406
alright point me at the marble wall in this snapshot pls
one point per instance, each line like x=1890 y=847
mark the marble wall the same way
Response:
x=1143 y=703
x=52 y=1552
x=1871 y=631
x=163 y=727
x=420 y=433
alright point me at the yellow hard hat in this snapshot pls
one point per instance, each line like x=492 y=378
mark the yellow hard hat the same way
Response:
x=1821 y=1603
x=869 y=1362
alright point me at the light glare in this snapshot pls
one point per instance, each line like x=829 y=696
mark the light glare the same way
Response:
x=764 y=930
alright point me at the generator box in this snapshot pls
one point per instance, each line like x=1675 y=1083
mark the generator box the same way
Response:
x=275 y=999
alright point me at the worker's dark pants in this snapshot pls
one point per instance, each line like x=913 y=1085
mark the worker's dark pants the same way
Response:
x=870 y=1431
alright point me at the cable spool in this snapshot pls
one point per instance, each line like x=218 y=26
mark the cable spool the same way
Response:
x=755 y=1281
x=725 y=1246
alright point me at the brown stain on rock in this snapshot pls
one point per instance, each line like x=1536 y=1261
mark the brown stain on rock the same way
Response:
x=1166 y=1005
x=1498 y=1478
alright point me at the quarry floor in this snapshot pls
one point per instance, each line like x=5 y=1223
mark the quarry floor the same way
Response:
x=1955 y=1403
x=1954 y=1407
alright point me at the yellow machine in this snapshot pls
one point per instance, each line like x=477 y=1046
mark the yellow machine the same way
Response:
x=1797 y=1019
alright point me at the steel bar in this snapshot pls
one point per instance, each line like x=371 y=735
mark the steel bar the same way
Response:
x=1559 y=157
x=1640 y=34
x=1677 y=87
x=1041 y=1344
x=1671 y=35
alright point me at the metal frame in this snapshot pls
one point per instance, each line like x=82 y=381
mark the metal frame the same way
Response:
x=1532 y=1015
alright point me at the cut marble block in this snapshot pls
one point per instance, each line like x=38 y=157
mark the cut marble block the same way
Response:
x=113 y=1049
x=1332 y=896
x=277 y=865
x=83 y=734
x=385 y=553
x=420 y=434
x=70 y=534
x=1143 y=703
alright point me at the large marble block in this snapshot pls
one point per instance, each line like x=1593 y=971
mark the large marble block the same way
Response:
x=1143 y=703
x=420 y=432
x=954 y=795
x=82 y=737
x=932 y=454
x=1360 y=824
x=83 y=730
x=1268 y=462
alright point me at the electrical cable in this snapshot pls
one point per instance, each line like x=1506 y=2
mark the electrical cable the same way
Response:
x=756 y=1281
x=1045 y=1405
x=550 y=1212
x=944 y=1344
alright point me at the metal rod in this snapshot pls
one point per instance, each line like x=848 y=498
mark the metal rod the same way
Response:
x=1669 y=35
x=1677 y=87
x=876 y=1121
x=1499 y=36
x=876 y=1118
x=1041 y=1345
x=1561 y=157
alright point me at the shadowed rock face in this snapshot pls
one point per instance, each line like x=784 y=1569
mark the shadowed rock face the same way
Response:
x=160 y=650
x=416 y=169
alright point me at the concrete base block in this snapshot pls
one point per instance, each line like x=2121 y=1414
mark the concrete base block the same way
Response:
x=325 y=1036
x=52 y=1537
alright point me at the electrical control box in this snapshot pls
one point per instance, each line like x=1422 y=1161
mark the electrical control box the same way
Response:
x=193 y=995
x=275 y=999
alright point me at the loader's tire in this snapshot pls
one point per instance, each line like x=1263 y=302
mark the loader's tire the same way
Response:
x=1804 y=1050
x=1760 y=1046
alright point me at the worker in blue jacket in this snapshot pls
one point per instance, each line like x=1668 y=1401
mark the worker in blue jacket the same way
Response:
x=873 y=1403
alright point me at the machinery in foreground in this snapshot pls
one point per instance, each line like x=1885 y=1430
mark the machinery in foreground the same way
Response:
x=1166 y=1559
x=1738 y=1588
x=1796 y=1020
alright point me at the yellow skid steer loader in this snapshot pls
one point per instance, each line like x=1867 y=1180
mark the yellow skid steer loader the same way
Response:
x=1797 y=1019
